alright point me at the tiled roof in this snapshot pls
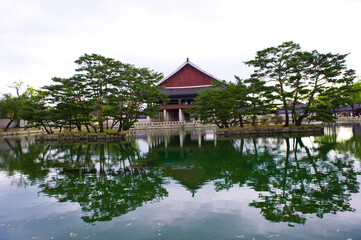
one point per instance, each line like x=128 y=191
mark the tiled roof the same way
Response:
x=187 y=62
x=348 y=108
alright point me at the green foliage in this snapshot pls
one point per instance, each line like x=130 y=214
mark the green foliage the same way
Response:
x=96 y=72
x=351 y=92
x=134 y=95
x=219 y=104
x=259 y=98
x=322 y=109
x=36 y=112
x=102 y=89
x=227 y=104
x=277 y=64
x=71 y=105
x=301 y=76
x=11 y=107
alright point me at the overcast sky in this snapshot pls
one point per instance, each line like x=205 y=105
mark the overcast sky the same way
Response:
x=41 y=39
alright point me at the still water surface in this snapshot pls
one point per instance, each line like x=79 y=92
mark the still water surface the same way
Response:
x=184 y=185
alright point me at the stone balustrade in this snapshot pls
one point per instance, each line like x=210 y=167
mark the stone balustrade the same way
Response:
x=271 y=130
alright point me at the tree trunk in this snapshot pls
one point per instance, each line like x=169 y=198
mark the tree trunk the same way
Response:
x=113 y=123
x=101 y=127
x=254 y=120
x=120 y=125
x=8 y=125
x=47 y=131
x=287 y=118
x=17 y=125
x=241 y=121
x=94 y=128
x=298 y=121
x=87 y=128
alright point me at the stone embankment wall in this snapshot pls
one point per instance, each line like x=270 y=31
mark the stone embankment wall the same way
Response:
x=21 y=132
x=80 y=136
x=270 y=130
x=348 y=119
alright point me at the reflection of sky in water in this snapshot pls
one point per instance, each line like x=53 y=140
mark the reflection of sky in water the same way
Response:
x=344 y=134
x=208 y=215
x=142 y=146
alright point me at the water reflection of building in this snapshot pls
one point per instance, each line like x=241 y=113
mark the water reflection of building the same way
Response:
x=174 y=151
x=163 y=137
x=343 y=131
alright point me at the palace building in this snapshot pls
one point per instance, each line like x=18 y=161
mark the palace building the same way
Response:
x=182 y=86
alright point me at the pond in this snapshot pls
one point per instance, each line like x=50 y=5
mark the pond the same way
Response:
x=179 y=184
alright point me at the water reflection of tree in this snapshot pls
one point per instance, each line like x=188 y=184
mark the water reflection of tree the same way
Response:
x=106 y=179
x=308 y=181
x=351 y=146
x=104 y=196
x=23 y=160
x=292 y=178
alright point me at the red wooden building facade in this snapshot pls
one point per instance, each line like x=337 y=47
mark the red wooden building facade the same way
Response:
x=182 y=86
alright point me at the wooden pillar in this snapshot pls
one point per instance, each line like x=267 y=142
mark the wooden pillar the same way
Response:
x=181 y=139
x=215 y=140
x=181 y=115
x=149 y=141
x=199 y=139
x=165 y=115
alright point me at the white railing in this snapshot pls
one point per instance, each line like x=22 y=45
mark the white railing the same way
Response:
x=160 y=123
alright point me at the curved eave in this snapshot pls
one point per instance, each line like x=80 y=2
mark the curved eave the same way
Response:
x=185 y=91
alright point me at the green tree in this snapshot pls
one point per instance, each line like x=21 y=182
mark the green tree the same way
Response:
x=300 y=76
x=133 y=93
x=259 y=98
x=11 y=106
x=102 y=89
x=219 y=105
x=72 y=104
x=276 y=64
x=36 y=111
x=352 y=93
x=96 y=71
x=319 y=73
